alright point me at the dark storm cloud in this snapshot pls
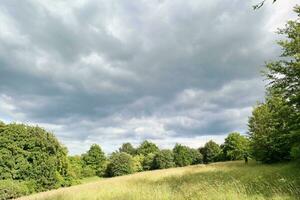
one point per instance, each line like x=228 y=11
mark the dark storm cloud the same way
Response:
x=114 y=71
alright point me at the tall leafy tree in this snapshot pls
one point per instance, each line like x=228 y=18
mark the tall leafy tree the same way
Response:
x=270 y=130
x=211 y=152
x=31 y=153
x=182 y=155
x=236 y=146
x=128 y=148
x=146 y=148
x=95 y=159
x=164 y=159
x=275 y=125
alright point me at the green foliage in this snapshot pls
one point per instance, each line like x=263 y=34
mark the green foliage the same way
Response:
x=10 y=189
x=197 y=157
x=211 y=152
x=94 y=159
x=236 y=146
x=146 y=148
x=75 y=167
x=148 y=162
x=275 y=125
x=31 y=153
x=120 y=164
x=269 y=130
x=164 y=159
x=128 y=148
x=87 y=171
x=137 y=163
x=182 y=155
x=284 y=75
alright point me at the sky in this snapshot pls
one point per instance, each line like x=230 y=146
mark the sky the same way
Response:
x=109 y=72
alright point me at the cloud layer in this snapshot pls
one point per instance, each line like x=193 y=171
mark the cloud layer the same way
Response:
x=109 y=72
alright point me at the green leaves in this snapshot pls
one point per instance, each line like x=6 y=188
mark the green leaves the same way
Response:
x=31 y=153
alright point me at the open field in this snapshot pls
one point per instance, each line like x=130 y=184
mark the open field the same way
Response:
x=228 y=180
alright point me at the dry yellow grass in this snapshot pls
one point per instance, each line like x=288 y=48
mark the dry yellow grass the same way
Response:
x=229 y=180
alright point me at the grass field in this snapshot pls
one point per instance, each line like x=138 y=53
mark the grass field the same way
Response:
x=228 y=180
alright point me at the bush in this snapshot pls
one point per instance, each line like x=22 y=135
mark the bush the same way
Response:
x=164 y=159
x=75 y=167
x=10 y=189
x=88 y=171
x=295 y=152
x=120 y=164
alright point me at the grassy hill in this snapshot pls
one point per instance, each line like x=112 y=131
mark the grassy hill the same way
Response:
x=228 y=180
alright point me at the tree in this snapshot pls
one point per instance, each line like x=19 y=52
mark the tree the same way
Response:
x=128 y=148
x=211 y=152
x=236 y=146
x=138 y=163
x=120 y=164
x=146 y=148
x=259 y=5
x=95 y=159
x=197 y=157
x=275 y=125
x=182 y=155
x=164 y=159
x=30 y=153
x=148 y=162
x=75 y=166
x=269 y=130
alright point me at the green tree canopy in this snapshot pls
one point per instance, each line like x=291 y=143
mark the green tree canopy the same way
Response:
x=120 y=164
x=128 y=148
x=269 y=130
x=164 y=159
x=32 y=154
x=182 y=155
x=236 y=146
x=146 y=148
x=211 y=152
x=95 y=159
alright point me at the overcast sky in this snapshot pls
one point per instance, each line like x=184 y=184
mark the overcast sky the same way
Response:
x=117 y=71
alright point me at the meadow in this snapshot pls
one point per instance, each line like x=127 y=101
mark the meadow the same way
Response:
x=224 y=180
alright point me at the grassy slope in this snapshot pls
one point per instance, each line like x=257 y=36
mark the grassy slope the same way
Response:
x=229 y=180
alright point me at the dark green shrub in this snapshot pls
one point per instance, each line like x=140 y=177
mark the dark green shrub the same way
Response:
x=10 y=189
x=120 y=164
x=88 y=171
x=164 y=159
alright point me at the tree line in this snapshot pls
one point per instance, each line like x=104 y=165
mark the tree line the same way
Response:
x=33 y=160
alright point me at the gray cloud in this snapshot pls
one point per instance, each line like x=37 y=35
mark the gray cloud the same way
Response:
x=116 y=71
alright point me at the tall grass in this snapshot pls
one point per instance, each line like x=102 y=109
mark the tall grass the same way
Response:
x=229 y=180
